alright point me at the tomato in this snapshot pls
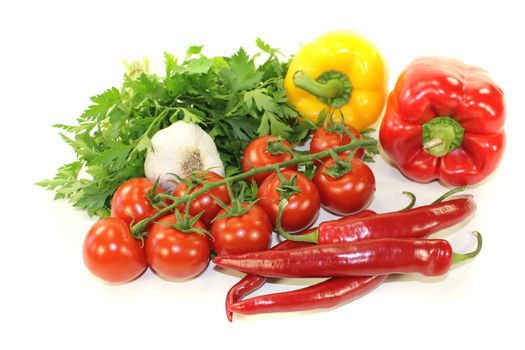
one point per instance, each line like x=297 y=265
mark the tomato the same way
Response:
x=323 y=139
x=111 y=253
x=303 y=207
x=349 y=193
x=249 y=232
x=175 y=255
x=130 y=201
x=205 y=202
x=256 y=155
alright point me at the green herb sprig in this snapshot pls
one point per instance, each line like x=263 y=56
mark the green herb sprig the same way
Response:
x=234 y=99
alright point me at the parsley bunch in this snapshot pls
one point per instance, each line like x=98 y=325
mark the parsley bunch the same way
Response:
x=232 y=98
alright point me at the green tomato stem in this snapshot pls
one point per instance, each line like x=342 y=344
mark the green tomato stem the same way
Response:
x=310 y=237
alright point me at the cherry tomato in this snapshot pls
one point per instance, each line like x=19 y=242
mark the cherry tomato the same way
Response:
x=111 y=253
x=256 y=155
x=349 y=193
x=303 y=207
x=130 y=201
x=205 y=202
x=249 y=232
x=323 y=139
x=175 y=255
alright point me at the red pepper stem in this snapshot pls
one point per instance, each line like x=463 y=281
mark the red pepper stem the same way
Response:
x=460 y=257
x=442 y=135
x=433 y=143
x=309 y=238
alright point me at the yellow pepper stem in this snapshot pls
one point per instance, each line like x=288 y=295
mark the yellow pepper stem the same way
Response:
x=332 y=88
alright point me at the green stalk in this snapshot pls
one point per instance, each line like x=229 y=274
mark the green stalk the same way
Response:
x=138 y=228
x=459 y=257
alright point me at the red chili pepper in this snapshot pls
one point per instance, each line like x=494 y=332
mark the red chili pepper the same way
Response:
x=336 y=291
x=250 y=283
x=414 y=223
x=253 y=282
x=327 y=294
x=430 y=257
x=444 y=120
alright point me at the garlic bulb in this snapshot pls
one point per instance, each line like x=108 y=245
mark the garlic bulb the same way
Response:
x=180 y=149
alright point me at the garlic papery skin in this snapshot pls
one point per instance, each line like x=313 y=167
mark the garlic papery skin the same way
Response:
x=181 y=149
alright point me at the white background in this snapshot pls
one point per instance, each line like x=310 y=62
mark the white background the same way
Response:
x=56 y=55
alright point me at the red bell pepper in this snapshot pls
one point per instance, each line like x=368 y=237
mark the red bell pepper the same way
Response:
x=444 y=120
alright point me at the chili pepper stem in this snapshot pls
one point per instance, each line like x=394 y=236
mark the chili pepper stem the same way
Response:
x=412 y=200
x=138 y=228
x=450 y=193
x=460 y=257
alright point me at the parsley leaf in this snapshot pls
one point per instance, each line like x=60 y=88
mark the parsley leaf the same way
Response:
x=241 y=73
x=232 y=98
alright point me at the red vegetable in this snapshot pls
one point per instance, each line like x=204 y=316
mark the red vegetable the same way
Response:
x=347 y=193
x=205 y=203
x=327 y=294
x=250 y=283
x=444 y=120
x=430 y=257
x=303 y=207
x=416 y=222
x=130 y=201
x=111 y=253
x=176 y=255
x=333 y=294
x=248 y=232
x=257 y=155
x=323 y=139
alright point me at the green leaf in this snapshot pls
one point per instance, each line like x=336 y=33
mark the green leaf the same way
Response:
x=170 y=62
x=82 y=150
x=241 y=73
x=193 y=50
x=115 y=155
x=102 y=104
x=261 y=99
x=243 y=128
x=176 y=84
x=199 y=65
x=264 y=127
x=193 y=115
x=81 y=127
x=265 y=47
x=277 y=126
x=144 y=144
x=232 y=98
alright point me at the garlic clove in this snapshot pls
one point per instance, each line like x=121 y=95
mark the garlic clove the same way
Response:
x=180 y=149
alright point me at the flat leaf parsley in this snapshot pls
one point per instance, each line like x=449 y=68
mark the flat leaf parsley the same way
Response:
x=234 y=99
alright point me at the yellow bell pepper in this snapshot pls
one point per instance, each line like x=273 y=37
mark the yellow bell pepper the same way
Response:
x=341 y=73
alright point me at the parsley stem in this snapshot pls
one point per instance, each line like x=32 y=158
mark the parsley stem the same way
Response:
x=155 y=122
x=138 y=228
